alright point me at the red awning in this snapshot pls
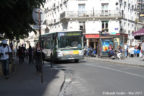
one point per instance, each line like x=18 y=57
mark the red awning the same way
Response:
x=92 y=35
x=97 y=35
x=139 y=32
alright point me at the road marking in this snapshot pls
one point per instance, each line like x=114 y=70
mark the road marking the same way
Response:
x=133 y=74
x=108 y=68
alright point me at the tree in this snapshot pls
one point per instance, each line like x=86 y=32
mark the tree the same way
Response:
x=16 y=17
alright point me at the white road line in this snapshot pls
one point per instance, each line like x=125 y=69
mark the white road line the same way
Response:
x=108 y=68
x=133 y=74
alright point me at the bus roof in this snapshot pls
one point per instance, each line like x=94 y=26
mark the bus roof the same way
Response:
x=58 y=32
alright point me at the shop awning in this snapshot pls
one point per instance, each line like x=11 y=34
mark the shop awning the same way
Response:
x=139 y=32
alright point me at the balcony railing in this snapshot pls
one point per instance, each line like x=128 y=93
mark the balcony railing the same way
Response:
x=92 y=14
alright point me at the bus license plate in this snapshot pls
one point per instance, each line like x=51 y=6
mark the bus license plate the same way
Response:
x=70 y=58
x=76 y=52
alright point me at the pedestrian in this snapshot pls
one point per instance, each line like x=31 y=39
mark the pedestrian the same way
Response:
x=119 y=52
x=131 y=51
x=135 y=51
x=38 y=58
x=15 y=51
x=126 y=49
x=111 y=53
x=30 y=53
x=5 y=51
x=21 y=54
x=139 y=50
x=142 y=49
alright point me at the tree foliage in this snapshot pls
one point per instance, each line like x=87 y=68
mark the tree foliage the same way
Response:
x=16 y=17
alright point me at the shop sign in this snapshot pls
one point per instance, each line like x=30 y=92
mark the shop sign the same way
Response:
x=113 y=33
x=116 y=28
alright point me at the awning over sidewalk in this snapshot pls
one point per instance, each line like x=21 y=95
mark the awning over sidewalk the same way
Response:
x=139 y=32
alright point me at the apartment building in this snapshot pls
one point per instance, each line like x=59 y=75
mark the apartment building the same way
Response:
x=140 y=9
x=106 y=20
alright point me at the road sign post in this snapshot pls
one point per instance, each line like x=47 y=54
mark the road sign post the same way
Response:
x=38 y=16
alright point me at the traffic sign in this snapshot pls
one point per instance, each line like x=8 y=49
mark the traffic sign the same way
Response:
x=36 y=17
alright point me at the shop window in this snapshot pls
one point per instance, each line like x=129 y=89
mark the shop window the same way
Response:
x=81 y=27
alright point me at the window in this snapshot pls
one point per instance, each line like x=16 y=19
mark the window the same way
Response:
x=81 y=25
x=69 y=41
x=104 y=8
x=81 y=9
x=104 y=25
x=124 y=4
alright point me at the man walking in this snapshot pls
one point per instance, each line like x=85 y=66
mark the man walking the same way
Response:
x=21 y=54
x=5 y=50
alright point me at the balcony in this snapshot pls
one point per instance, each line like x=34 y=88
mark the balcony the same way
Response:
x=99 y=14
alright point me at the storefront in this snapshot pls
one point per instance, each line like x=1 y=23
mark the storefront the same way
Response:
x=102 y=42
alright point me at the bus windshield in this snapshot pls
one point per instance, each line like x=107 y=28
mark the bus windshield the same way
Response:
x=70 y=42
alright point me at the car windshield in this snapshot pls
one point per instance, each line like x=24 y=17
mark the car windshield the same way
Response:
x=69 y=42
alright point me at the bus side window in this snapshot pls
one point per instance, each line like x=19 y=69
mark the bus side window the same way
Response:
x=48 y=44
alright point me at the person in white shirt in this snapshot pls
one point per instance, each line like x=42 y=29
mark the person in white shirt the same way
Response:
x=131 y=51
x=5 y=50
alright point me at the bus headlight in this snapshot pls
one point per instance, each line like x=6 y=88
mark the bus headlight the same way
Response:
x=59 y=54
x=81 y=53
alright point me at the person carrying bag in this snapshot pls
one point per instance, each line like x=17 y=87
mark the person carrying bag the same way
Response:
x=5 y=50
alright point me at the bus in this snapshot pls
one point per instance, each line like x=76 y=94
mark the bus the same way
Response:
x=65 y=45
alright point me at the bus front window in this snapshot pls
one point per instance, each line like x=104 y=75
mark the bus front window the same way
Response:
x=70 y=42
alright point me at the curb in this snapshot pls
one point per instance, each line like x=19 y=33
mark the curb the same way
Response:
x=106 y=60
x=66 y=83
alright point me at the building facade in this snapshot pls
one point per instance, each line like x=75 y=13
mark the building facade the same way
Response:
x=113 y=20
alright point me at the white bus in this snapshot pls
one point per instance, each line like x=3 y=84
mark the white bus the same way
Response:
x=67 y=45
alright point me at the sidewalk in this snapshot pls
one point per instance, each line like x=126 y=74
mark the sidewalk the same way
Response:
x=26 y=82
x=129 y=60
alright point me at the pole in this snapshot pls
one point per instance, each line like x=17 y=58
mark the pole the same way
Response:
x=127 y=22
x=41 y=75
x=100 y=32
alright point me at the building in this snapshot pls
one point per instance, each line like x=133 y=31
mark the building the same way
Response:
x=102 y=21
x=140 y=9
x=106 y=20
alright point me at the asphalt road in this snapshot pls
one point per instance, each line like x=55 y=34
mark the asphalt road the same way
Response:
x=98 y=78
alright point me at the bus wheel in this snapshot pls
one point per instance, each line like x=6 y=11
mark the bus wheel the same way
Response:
x=76 y=61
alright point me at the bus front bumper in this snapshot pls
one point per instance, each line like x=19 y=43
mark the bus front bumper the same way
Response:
x=70 y=57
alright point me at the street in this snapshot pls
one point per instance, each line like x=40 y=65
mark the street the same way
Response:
x=89 y=77
x=98 y=78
